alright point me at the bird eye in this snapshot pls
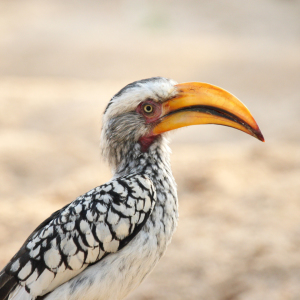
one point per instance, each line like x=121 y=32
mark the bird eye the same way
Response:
x=148 y=109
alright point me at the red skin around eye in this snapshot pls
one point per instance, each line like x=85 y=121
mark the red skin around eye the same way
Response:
x=146 y=141
x=154 y=116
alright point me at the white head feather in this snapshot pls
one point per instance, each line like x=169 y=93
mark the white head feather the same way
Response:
x=122 y=126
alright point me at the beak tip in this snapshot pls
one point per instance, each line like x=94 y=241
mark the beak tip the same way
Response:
x=259 y=136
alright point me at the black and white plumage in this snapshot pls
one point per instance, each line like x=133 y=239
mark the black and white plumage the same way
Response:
x=103 y=244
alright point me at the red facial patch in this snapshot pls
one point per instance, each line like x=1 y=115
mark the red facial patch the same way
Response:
x=151 y=111
x=146 y=142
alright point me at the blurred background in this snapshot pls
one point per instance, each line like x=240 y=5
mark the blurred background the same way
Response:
x=61 y=62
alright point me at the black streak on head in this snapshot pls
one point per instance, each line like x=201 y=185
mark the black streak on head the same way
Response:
x=130 y=86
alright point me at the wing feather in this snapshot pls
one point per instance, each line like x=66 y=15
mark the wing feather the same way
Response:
x=96 y=224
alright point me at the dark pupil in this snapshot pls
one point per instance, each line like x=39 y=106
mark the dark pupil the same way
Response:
x=148 y=108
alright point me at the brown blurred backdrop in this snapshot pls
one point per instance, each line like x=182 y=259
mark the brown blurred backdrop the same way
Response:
x=61 y=62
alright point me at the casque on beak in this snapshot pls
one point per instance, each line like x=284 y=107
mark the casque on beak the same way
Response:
x=202 y=103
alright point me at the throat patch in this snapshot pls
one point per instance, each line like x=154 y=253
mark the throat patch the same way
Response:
x=146 y=142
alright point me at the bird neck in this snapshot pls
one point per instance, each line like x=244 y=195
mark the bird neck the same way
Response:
x=136 y=160
x=155 y=163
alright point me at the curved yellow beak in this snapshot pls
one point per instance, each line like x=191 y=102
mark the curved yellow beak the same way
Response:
x=202 y=103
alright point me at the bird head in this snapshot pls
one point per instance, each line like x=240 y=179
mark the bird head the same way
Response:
x=143 y=111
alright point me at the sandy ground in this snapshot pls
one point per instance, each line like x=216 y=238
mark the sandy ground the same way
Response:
x=239 y=230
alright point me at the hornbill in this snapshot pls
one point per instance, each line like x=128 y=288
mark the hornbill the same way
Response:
x=104 y=243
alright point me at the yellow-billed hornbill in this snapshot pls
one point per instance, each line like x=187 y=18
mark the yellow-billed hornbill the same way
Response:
x=103 y=244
